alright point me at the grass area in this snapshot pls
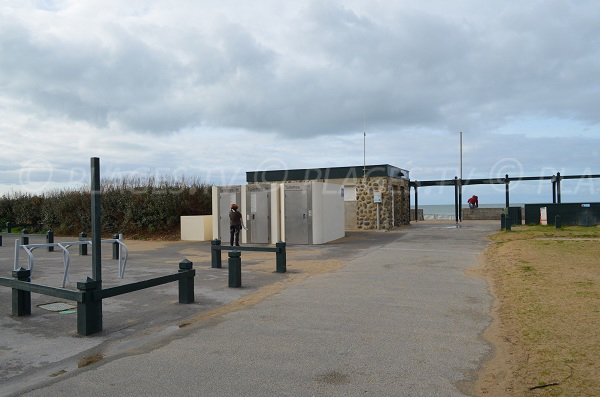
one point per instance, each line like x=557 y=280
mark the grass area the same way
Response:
x=547 y=282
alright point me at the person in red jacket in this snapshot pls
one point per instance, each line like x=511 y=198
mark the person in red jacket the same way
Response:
x=473 y=202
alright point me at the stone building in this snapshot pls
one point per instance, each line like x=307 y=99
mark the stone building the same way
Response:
x=375 y=196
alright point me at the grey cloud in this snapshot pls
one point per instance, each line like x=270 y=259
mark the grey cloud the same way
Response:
x=341 y=69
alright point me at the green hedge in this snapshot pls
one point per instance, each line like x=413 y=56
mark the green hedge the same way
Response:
x=136 y=207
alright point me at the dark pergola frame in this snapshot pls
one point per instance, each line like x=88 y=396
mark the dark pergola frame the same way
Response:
x=459 y=183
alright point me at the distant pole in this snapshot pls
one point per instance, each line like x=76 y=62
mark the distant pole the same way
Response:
x=461 y=179
x=364 y=155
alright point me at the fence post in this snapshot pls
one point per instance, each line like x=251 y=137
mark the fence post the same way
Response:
x=235 y=269
x=115 y=247
x=186 y=285
x=50 y=240
x=89 y=311
x=21 y=300
x=215 y=254
x=83 y=247
x=280 y=257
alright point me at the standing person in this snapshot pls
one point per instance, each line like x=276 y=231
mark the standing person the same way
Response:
x=235 y=225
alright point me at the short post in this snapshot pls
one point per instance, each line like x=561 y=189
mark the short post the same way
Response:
x=557 y=222
x=235 y=269
x=8 y=227
x=115 y=247
x=186 y=285
x=502 y=221
x=215 y=254
x=89 y=312
x=83 y=246
x=50 y=240
x=24 y=238
x=0 y=240
x=21 y=300
x=508 y=221
x=280 y=257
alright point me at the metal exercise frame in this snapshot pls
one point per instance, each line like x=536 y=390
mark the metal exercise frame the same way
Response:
x=90 y=293
x=64 y=246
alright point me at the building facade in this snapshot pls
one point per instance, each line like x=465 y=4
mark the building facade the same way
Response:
x=375 y=196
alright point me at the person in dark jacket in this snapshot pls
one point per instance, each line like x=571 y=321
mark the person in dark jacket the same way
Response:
x=235 y=225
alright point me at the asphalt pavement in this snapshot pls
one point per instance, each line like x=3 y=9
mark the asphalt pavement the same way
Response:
x=400 y=317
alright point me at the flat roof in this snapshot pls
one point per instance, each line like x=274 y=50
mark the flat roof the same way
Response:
x=309 y=174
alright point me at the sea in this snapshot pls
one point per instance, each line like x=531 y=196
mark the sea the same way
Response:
x=446 y=211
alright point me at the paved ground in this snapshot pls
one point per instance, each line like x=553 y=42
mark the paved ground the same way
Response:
x=399 y=318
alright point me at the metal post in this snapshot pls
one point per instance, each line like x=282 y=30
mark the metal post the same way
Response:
x=507 y=182
x=557 y=222
x=83 y=247
x=21 y=300
x=502 y=221
x=554 y=190
x=50 y=240
x=558 y=187
x=416 y=203
x=215 y=254
x=24 y=239
x=460 y=181
x=92 y=319
x=89 y=312
x=8 y=227
x=186 y=285
x=115 y=247
x=456 y=199
x=0 y=240
x=280 y=257
x=235 y=269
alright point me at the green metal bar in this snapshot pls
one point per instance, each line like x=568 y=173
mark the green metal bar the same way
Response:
x=245 y=248
x=42 y=289
x=123 y=289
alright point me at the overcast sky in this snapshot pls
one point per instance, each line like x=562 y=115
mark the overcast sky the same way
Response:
x=212 y=89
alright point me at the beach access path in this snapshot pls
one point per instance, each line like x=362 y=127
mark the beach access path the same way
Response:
x=395 y=314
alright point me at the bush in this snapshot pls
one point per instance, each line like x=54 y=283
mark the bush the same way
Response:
x=139 y=208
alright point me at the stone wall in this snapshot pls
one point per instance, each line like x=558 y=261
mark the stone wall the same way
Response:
x=394 y=209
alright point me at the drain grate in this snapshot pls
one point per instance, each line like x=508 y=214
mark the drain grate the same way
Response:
x=57 y=306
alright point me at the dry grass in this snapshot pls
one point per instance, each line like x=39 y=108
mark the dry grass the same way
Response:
x=547 y=285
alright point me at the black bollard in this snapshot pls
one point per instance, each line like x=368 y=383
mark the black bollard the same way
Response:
x=8 y=227
x=502 y=221
x=280 y=257
x=186 y=285
x=115 y=252
x=24 y=238
x=508 y=223
x=235 y=269
x=21 y=299
x=50 y=240
x=83 y=247
x=557 y=222
x=215 y=254
x=0 y=240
